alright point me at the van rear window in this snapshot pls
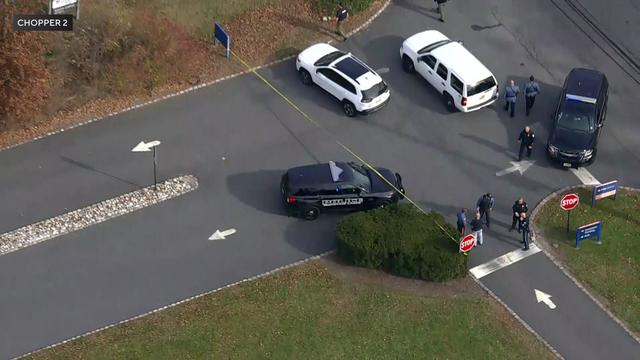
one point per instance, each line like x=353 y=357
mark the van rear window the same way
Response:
x=374 y=91
x=480 y=87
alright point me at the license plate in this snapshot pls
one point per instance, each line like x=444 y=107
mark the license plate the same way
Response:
x=566 y=164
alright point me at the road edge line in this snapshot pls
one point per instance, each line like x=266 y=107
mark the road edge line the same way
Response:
x=184 y=91
x=517 y=317
x=183 y=301
x=543 y=244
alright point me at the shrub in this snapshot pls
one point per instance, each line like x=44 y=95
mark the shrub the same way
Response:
x=330 y=6
x=403 y=241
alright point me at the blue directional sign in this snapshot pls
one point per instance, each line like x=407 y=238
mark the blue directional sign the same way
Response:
x=604 y=191
x=222 y=36
x=589 y=231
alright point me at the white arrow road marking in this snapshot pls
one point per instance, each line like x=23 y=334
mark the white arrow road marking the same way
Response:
x=503 y=261
x=142 y=146
x=383 y=70
x=520 y=166
x=545 y=298
x=585 y=176
x=221 y=235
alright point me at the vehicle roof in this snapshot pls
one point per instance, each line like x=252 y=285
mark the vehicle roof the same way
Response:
x=585 y=83
x=422 y=39
x=314 y=52
x=355 y=69
x=462 y=62
x=317 y=175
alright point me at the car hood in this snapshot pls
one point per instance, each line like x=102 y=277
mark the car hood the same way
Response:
x=378 y=185
x=314 y=52
x=572 y=141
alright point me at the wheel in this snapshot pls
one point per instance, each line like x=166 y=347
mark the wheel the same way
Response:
x=349 y=108
x=384 y=204
x=311 y=213
x=407 y=64
x=305 y=77
x=448 y=102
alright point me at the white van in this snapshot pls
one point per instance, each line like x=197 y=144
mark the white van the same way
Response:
x=464 y=82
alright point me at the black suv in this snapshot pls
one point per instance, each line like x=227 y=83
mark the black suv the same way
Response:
x=579 y=117
x=308 y=190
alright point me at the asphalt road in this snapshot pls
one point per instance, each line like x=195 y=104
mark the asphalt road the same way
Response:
x=133 y=264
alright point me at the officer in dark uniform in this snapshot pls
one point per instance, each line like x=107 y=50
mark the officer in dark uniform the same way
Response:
x=524 y=228
x=485 y=205
x=519 y=207
x=526 y=142
x=341 y=15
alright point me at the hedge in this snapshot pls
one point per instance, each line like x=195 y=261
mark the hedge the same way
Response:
x=331 y=6
x=403 y=241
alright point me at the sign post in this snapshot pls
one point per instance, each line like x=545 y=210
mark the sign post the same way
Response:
x=151 y=145
x=467 y=243
x=604 y=191
x=568 y=203
x=589 y=231
x=223 y=37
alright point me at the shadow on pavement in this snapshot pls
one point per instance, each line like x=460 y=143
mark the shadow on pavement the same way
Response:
x=430 y=11
x=91 y=168
x=313 y=237
x=258 y=189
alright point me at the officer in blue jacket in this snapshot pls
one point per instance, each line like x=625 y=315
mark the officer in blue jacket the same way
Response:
x=510 y=96
x=531 y=90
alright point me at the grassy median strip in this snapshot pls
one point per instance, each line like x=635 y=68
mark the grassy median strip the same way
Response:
x=612 y=269
x=308 y=313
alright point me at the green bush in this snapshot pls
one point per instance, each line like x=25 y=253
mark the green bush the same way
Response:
x=403 y=241
x=330 y=6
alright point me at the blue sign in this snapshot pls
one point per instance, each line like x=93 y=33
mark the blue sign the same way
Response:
x=604 y=191
x=222 y=36
x=589 y=231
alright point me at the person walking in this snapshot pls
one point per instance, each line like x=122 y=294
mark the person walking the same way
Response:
x=524 y=229
x=476 y=228
x=531 y=90
x=341 y=16
x=440 y=8
x=519 y=207
x=526 y=139
x=510 y=96
x=484 y=206
x=462 y=221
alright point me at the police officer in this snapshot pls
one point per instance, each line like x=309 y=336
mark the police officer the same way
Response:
x=440 y=8
x=476 y=228
x=510 y=96
x=524 y=228
x=526 y=142
x=519 y=207
x=341 y=15
x=484 y=206
x=531 y=90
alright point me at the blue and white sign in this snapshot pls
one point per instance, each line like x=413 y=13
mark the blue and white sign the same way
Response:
x=604 y=191
x=222 y=36
x=589 y=231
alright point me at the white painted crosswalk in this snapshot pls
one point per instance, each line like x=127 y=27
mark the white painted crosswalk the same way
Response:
x=503 y=261
x=585 y=176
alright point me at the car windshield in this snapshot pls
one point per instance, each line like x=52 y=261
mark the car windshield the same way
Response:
x=482 y=86
x=374 y=91
x=360 y=177
x=577 y=116
x=329 y=58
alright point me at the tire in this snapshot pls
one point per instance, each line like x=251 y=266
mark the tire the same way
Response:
x=448 y=102
x=384 y=204
x=349 y=108
x=305 y=77
x=407 y=64
x=310 y=213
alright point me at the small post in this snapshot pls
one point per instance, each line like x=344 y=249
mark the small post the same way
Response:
x=155 y=162
x=568 y=217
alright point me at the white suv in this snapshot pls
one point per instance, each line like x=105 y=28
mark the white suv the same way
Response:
x=465 y=84
x=357 y=86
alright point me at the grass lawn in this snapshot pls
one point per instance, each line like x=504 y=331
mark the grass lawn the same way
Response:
x=308 y=313
x=612 y=269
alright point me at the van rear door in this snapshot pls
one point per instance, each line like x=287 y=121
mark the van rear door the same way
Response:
x=481 y=92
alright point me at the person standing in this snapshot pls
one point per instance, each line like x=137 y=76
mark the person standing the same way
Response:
x=519 y=207
x=462 y=221
x=524 y=228
x=440 y=8
x=531 y=90
x=526 y=142
x=476 y=228
x=510 y=96
x=341 y=16
x=484 y=206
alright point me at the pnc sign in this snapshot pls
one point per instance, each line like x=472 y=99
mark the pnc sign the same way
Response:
x=467 y=243
x=569 y=201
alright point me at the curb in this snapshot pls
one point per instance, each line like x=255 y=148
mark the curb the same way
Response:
x=544 y=245
x=187 y=90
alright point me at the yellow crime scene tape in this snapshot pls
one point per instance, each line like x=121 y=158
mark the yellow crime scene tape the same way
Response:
x=335 y=138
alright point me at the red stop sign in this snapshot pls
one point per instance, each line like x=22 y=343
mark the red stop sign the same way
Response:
x=467 y=243
x=569 y=201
